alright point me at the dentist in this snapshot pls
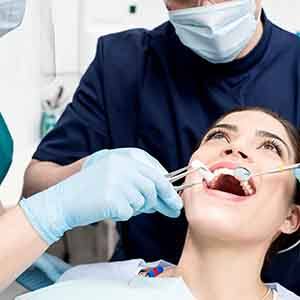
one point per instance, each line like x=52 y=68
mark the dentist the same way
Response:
x=122 y=183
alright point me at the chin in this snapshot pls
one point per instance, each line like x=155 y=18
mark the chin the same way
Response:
x=213 y=220
x=217 y=217
x=222 y=233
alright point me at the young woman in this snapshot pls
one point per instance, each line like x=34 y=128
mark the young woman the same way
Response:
x=234 y=227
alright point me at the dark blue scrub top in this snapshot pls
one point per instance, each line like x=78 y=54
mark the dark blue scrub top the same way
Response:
x=145 y=89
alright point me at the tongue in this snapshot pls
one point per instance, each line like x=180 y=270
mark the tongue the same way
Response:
x=229 y=184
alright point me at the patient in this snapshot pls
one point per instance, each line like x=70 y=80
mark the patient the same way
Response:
x=234 y=227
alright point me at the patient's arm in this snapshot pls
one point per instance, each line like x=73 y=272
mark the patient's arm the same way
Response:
x=20 y=245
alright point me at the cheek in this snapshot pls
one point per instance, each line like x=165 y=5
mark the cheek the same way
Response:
x=273 y=202
x=207 y=153
x=280 y=186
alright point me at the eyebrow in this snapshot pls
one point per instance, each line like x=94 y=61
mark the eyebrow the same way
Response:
x=227 y=126
x=260 y=133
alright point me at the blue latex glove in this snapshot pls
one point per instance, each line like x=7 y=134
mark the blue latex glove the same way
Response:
x=111 y=185
x=297 y=174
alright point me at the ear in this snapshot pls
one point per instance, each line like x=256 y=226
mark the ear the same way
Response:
x=167 y=4
x=292 y=222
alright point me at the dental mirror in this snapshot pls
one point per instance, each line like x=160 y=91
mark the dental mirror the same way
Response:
x=242 y=173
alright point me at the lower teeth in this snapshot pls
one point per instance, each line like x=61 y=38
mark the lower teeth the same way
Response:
x=247 y=189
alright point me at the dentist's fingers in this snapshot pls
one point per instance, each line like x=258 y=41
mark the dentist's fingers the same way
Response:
x=165 y=190
x=148 y=190
x=166 y=210
x=134 y=198
x=153 y=202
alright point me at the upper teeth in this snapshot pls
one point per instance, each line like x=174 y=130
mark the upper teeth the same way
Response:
x=223 y=171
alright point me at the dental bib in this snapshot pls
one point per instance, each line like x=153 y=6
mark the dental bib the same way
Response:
x=136 y=289
x=139 y=288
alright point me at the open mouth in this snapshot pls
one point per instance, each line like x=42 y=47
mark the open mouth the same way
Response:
x=224 y=181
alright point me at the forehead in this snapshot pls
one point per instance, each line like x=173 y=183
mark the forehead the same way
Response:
x=249 y=122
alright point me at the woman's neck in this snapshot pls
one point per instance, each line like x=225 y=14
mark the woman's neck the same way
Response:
x=219 y=273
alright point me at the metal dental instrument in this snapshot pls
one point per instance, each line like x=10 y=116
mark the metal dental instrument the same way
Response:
x=183 y=172
x=244 y=174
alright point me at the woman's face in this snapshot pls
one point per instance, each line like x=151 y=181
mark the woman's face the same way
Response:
x=257 y=141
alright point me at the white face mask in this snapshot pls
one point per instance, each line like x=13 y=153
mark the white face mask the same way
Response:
x=217 y=32
x=11 y=14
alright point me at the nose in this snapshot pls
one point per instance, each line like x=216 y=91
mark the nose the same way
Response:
x=235 y=153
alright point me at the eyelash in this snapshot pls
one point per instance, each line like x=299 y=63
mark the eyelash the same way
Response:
x=214 y=133
x=224 y=134
x=275 y=144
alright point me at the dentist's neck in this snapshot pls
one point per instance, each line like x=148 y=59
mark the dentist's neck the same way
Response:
x=215 y=272
x=254 y=40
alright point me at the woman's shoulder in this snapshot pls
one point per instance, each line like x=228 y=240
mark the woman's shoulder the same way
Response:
x=283 y=293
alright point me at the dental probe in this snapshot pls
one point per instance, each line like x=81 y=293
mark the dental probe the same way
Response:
x=244 y=174
x=196 y=165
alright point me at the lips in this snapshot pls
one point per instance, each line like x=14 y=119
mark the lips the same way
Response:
x=224 y=164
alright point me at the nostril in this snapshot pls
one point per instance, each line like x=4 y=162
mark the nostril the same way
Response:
x=239 y=153
x=243 y=155
x=228 y=151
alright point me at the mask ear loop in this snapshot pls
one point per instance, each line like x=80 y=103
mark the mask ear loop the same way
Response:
x=289 y=248
x=259 y=15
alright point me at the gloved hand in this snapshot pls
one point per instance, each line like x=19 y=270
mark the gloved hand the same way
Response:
x=111 y=185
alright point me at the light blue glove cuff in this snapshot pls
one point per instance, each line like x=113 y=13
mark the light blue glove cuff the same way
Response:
x=297 y=174
x=94 y=158
x=44 y=272
x=45 y=216
x=52 y=266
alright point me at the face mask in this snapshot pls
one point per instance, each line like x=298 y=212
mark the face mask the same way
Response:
x=6 y=149
x=217 y=32
x=11 y=14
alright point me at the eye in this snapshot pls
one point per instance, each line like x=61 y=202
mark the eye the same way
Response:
x=217 y=135
x=272 y=146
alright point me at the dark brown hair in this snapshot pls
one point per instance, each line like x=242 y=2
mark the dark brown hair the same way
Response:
x=284 y=240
